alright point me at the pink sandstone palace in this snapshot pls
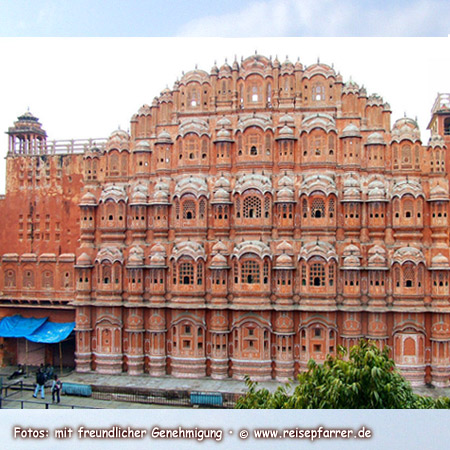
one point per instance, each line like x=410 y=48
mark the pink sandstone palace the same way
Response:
x=255 y=217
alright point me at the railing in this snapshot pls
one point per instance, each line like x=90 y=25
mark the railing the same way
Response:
x=61 y=147
x=162 y=397
x=18 y=387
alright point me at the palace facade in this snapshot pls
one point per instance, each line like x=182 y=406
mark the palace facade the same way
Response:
x=255 y=217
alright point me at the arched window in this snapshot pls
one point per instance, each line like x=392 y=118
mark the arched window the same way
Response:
x=47 y=279
x=317 y=273
x=28 y=278
x=408 y=208
x=447 y=126
x=106 y=270
x=406 y=155
x=186 y=273
x=189 y=209
x=317 y=208
x=10 y=278
x=318 y=92
x=250 y=272
x=252 y=207
x=408 y=275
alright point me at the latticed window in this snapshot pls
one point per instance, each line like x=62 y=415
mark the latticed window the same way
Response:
x=396 y=207
x=10 y=278
x=331 y=274
x=408 y=208
x=236 y=272
x=331 y=207
x=406 y=154
x=317 y=208
x=204 y=149
x=420 y=275
x=202 y=208
x=174 y=272
x=408 y=276
x=318 y=93
x=303 y=274
x=253 y=144
x=266 y=272
x=238 y=207
x=47 y=279
x=189 y=209
x=252 y=207
x=317 y=274
x=305 y=208
x=250 y=272
x=199 y=273
x=268 y=143
x=267 y=207
x=186 y=273
x=177 y=209
x=28 y=278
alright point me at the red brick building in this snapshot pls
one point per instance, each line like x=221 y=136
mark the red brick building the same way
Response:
x=255 y=217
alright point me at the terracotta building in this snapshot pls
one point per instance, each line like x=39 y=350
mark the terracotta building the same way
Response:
x=255 y=217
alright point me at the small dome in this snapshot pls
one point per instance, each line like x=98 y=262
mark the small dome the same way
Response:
x=142 y=146
x=164 y=138
x=120 y=135
x=84 y=260
x=286 y=120
x=138 y=197
x=218 y=261
x=285 y=195
x=351 y=249
x=223 y=122
x=88 y=199
x=157 y=260
x=436 y=140
x=224 y=135
x=439 y=261
x=351 y=130
x=284 y=261
x=351 y=262
x=286 y=133
x=136 y=256
x=221 y=196
x=222 y=182
x=375 y=139
x=218 y=247
x=438 y=192
x=285 y=247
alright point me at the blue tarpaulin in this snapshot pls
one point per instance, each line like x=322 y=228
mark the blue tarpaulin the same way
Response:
x=35 y=330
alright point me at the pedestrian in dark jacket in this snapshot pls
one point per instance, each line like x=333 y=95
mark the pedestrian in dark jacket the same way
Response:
x=40 y=383
x=56 y=389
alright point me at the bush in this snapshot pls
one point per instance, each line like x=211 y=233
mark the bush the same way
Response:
x=367 y=379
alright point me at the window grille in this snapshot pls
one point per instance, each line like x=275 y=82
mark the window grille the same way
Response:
x=252 y=207
x=189 y=209
x=317 y=208
x=331 y=274
x=250 y=272
x=331 y=207
x=266 y=207
x=408 y=276
x=305 y=208
x=186 y=273
x=317 y=274
x=202 y=208
x=199 y=273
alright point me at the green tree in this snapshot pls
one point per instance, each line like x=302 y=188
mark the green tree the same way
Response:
x=366 y=379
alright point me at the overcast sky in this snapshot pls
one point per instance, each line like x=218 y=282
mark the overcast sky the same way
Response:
x=230 y=18
x=86 y=88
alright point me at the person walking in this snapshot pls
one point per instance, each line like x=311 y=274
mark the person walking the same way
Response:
x=56 y=389
x=40 y=383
